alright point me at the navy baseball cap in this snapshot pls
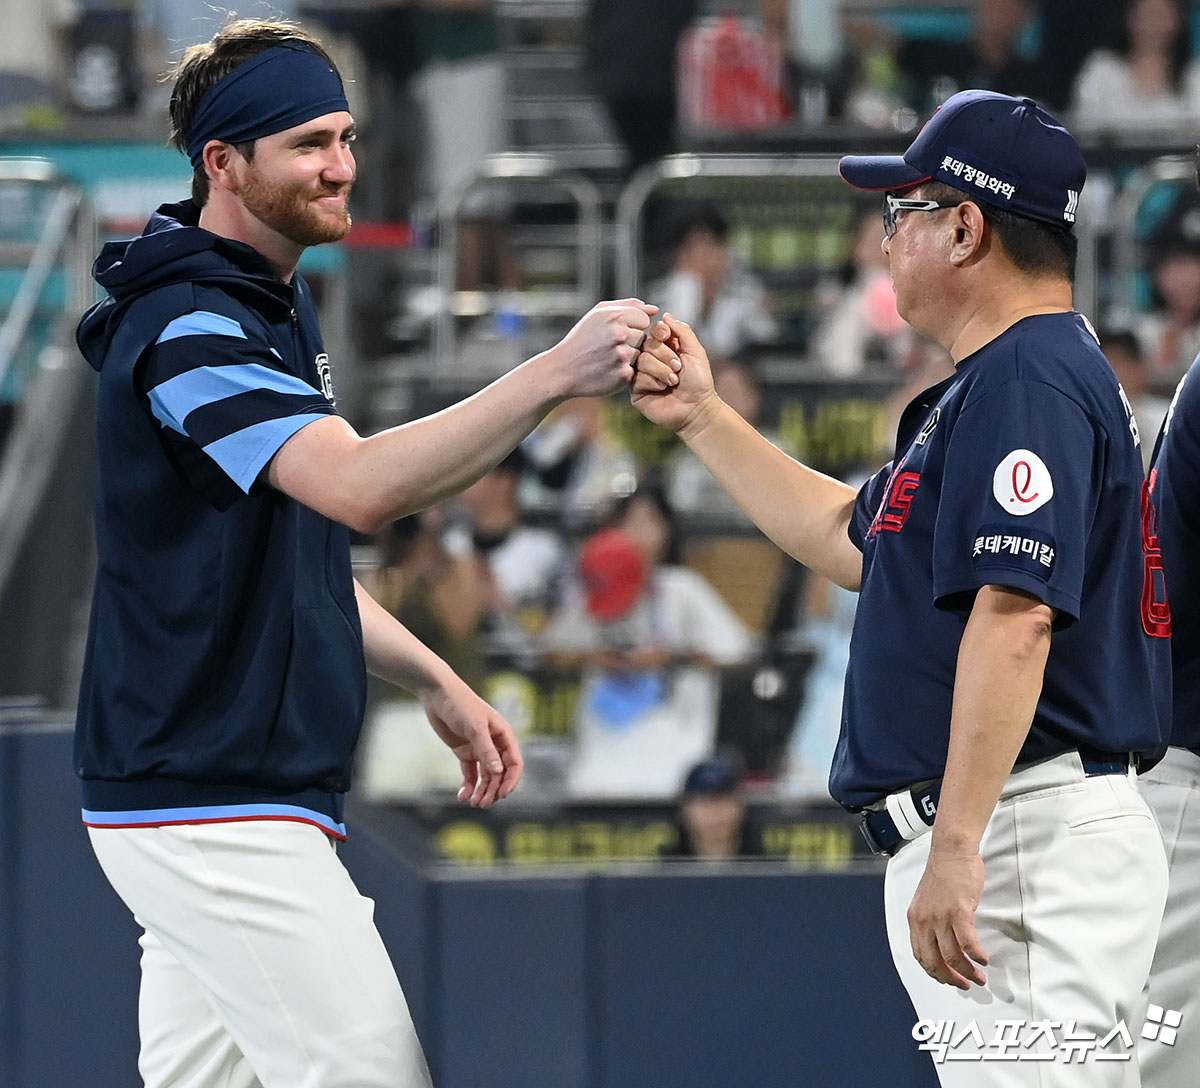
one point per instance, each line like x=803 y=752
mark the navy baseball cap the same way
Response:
x=1004 y=151
x=715 y=775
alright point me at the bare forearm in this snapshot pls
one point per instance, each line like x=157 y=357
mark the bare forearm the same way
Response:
x=430 y=459
x=1001 y=666
x=803 y=511
x=367 y=483
x=394 y=653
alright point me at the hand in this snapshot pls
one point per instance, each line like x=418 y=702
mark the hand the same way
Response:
x=651 y=658
x=598 y=354
x=483 y=741
x=941 y=919
x=673 y=386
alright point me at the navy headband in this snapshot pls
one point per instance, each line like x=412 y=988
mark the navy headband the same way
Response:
x=282 y=87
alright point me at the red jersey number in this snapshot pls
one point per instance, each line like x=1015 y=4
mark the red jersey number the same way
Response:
x=898 y=503
x=1156 y=612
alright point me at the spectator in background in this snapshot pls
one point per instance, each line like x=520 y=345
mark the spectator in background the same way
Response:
x=712 y=812
x=872 y=86
x=629 y=54
x=829 y=615
x=648 y=632
x=862 y=328
x=470 y=580
x=1124 y=353
x=390 y=147
x=1147 y=79
x=430 y=579
x=708 y=286
x=580 y=469
x=819 y=69
x=461 y=89
x=33 y=50
x=1070 y=31
x=1170 y=332
x=691 y=488
x=522 y=565
x=990 y=59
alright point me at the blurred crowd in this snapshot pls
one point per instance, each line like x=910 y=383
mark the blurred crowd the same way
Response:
x=1108 y=65
x=617 y=606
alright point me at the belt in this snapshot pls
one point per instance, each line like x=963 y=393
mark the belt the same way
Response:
x=905 y=815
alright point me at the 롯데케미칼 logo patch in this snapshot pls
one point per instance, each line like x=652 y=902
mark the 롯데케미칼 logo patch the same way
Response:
x=1022 y=483
x=1015 y=549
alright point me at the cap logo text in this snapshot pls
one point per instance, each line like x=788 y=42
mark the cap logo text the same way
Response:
x=978 y=177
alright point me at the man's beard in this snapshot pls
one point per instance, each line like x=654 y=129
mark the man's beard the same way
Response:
x=287 y=208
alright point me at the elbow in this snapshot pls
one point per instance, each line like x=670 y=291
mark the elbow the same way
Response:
x=1034 y=642
x=1031 y=639
x=1042 y=625
x=368 y=507
x=367 y=515
x=1024 y=623
x=372 y=520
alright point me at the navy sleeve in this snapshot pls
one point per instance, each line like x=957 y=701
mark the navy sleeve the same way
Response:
x=1020 y=489
x=228 y=393
x=870 y=495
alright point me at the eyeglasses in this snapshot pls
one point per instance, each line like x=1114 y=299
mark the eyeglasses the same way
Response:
x=894 y=204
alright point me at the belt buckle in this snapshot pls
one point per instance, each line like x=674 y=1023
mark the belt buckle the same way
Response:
x=864 y=826
x=877 y=845
x=1097 y=763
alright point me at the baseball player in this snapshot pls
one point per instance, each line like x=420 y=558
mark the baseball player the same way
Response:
x=1171 y=1057
x=224 y=683
x=1007 y=660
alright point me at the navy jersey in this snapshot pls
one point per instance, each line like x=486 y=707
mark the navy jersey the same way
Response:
x=1022 y=470
x=1174 y=490
x=224 y=675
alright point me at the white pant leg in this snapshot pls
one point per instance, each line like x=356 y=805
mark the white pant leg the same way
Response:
x=265 y=919
x=1074 y=887
x=184 y=1043
x=1173 y=790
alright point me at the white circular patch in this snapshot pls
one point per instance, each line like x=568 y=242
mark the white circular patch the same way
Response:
x=1021 y=483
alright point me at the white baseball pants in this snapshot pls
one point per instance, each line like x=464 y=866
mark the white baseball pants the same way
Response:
x=261 y=964
x=1171 y=1058
x=1074 y=889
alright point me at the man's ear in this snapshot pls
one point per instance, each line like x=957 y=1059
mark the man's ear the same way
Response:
x=969 y=232
x=219 y=159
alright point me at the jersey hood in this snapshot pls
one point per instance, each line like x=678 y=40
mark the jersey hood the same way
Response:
x=174 y=249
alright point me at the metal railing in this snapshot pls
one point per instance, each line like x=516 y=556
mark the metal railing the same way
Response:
x=631 y=207
x=66 y=241
x=534 y=176
x=718 y=168
x=60 y=243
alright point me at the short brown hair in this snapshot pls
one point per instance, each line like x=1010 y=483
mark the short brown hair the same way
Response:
x=1036 y=248
x=202 y=66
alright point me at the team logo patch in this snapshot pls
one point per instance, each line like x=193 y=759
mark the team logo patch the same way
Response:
x=930 y=426
x=1022 y=483
x=325 y=375
x=1020 y=549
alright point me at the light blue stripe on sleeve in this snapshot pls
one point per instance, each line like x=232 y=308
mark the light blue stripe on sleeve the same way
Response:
x=244 y=453
x=174 y=399
x=201 y=323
